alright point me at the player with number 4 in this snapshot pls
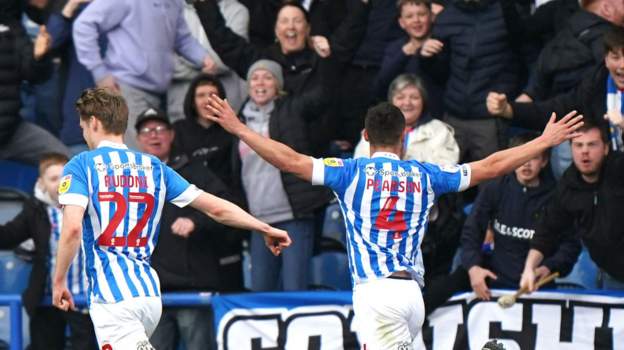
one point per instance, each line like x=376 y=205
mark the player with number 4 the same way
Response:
x=113 y=198
x=385 y=202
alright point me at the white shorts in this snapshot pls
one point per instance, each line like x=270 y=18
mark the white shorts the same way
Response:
x=126 y=325
x=389 y=313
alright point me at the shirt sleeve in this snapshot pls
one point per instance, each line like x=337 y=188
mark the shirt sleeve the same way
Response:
x=332 y=172
x=179 y=191
x=444 y=179
x=73 y=188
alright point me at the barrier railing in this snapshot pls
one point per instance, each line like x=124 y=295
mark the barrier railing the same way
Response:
x=14 y=302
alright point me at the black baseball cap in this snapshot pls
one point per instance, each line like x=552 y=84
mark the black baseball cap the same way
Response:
x=151 y=114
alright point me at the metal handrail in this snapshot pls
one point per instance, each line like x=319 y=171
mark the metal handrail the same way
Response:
x=14 y=302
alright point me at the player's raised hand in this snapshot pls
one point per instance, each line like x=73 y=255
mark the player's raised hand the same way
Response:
x=564 y=129
x=62 y=297
x=276 y=240
x=224 y=115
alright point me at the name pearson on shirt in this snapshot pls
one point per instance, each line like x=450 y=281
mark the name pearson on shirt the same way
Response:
x=385 y=185
x=513 y=231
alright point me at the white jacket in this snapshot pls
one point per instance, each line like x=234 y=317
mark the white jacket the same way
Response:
x=432 y=142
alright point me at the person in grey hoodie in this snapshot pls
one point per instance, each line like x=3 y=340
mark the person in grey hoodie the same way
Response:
x=138 y=62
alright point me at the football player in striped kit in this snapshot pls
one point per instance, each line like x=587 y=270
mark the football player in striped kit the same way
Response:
x=385 y=202
x=113 y=198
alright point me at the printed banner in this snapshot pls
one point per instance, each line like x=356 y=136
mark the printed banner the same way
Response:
x=325 y=320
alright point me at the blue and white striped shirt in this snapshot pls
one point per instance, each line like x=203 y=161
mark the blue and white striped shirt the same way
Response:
x=123 y=192
x=386 y=203
x=76 y=277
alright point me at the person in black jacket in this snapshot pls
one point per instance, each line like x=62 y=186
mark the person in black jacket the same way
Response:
x=512 y=205
x=325 y=17
x=589 y=98
x=199 y=138
x=305 y=67
x=277 y=197
x=21 y=60
x=40 y=220
x=571 y=54
x=576 y=49
x=476 y=44
x=193 y=251
x=587 y=205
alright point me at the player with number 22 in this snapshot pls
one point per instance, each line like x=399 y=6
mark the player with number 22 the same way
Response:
x=113 y=198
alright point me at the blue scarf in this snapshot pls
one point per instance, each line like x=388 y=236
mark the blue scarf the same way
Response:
x=614 y=102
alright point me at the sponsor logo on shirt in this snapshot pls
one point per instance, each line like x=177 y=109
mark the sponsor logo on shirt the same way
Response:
x=101 y=167
x=333 y=162
x=372 y=171
x=513 y=231
x=65 y=183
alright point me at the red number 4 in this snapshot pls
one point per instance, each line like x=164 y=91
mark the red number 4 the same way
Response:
x=397 y=224
x=134 y=238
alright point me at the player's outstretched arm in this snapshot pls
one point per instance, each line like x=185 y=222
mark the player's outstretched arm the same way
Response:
x=230 y=214
x=503 y=162
x=276 y=153
x=68 y=246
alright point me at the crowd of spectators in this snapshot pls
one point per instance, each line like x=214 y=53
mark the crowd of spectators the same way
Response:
x=468 y=76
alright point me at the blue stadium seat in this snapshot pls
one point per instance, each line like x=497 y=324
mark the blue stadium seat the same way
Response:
x=329 y=269
x=5 y=328
x=18 y=175
x=14 y=273
x=333 y=224
x=584 y=275
x=11 y=202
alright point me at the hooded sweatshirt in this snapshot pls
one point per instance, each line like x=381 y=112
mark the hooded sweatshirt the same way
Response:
x=212 y=145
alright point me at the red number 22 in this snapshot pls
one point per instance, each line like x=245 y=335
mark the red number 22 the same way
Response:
x=134 y=239
x=397 y=224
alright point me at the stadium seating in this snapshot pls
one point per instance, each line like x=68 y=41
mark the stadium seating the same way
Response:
x=329 y=268
x=18 y=175
x=11 y=201
x=333 y=224
x=584 y=275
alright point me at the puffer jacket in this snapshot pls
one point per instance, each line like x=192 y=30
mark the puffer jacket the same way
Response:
x=564 y=61
x=479 y=55
x=16 y=64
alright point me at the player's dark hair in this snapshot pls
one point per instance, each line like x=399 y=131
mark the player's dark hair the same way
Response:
x=107 y=107
x=614 y=39
x=384 y=124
